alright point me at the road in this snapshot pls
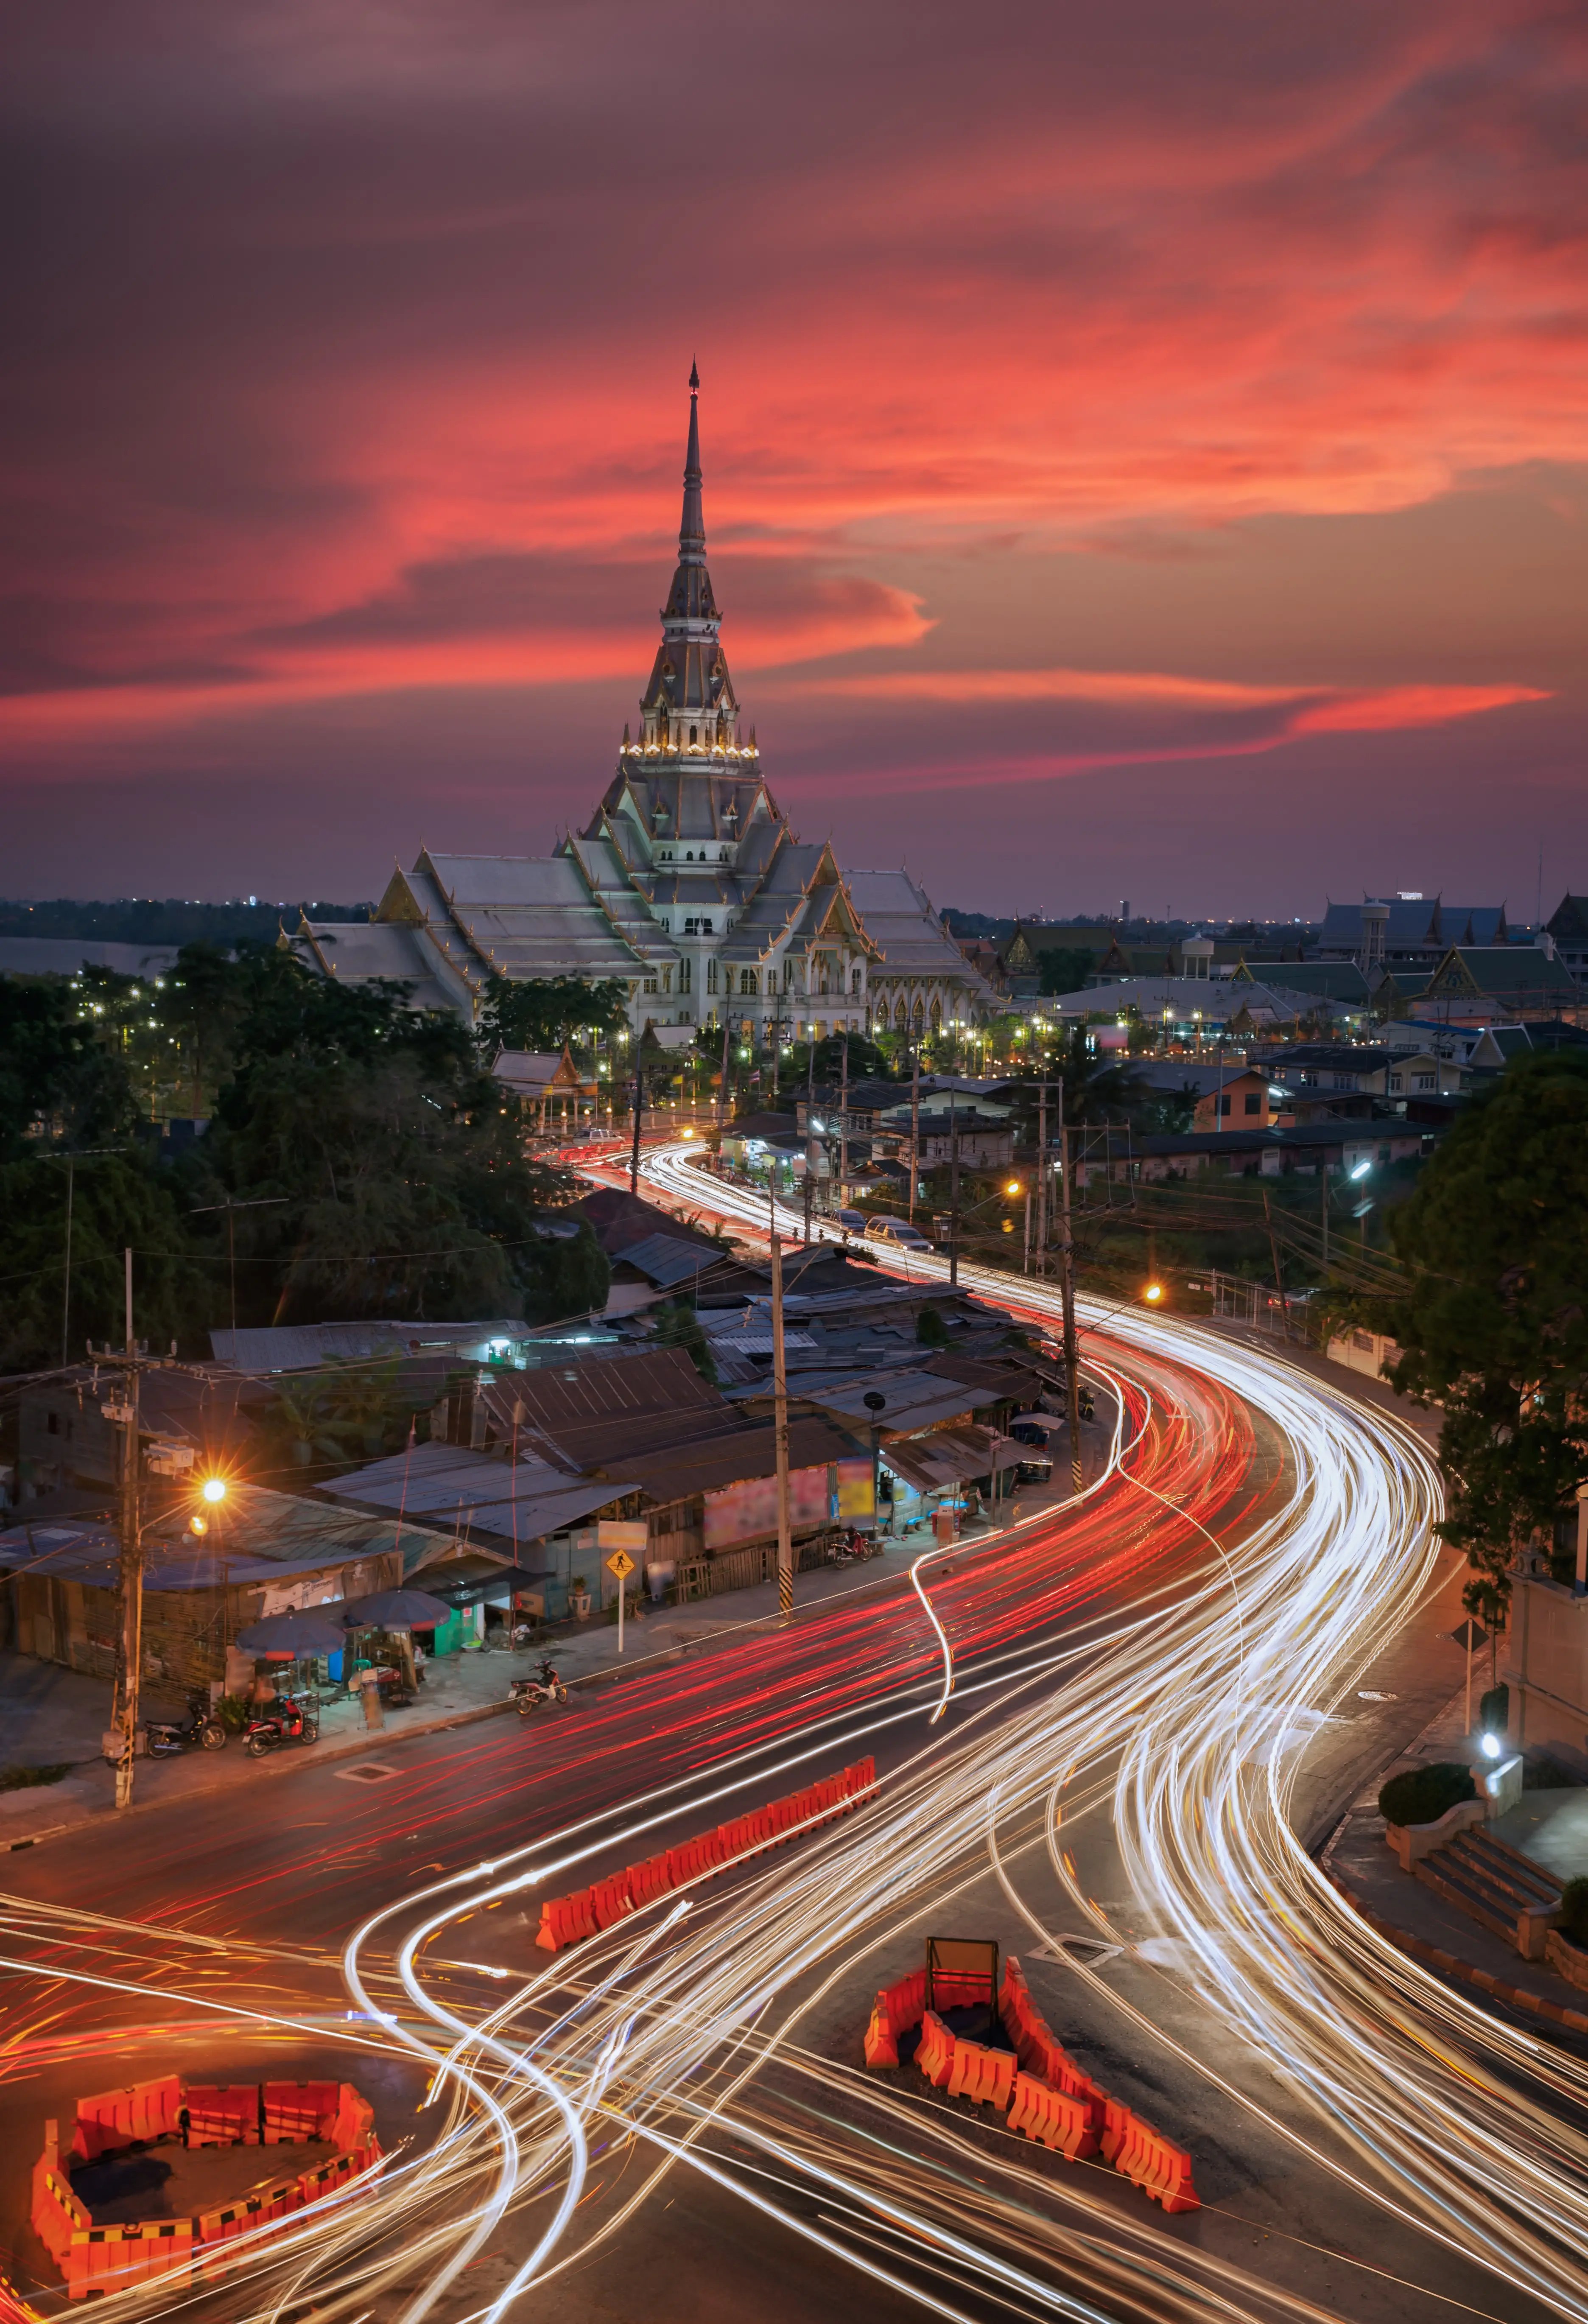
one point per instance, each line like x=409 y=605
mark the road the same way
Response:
x=670 y=2119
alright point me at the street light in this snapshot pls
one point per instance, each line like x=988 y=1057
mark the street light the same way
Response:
x=1153 y=1294
x=214 y=1489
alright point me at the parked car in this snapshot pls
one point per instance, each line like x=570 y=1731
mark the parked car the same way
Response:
x=898 y=1232
x=852 y=1221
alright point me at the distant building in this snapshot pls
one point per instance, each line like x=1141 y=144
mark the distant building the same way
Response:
x=1407 y=931
x=1568 y=925
x=1478 y=984
x=687 y=886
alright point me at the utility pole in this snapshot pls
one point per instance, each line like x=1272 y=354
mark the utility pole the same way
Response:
x=66 y=1287
x=780 y=1406
x=1066 y=1259
x=1274 y=1255
x=1324 y=1201
x=1042 y=1177
x=843 y=1123
x=722 y=1094
x=639 y=1105
x=953 y=1193
x=915 y=1123
x=126 y=1714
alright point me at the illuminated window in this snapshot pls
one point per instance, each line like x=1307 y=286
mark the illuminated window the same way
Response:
x=748 y=980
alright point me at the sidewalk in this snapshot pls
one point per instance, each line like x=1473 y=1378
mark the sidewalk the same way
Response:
x=49 y=1715
x=1551 y=1826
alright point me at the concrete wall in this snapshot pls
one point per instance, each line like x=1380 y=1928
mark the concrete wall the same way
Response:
x=1545 y=1663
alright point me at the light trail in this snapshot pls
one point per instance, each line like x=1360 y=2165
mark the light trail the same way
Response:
x=1183 y=1717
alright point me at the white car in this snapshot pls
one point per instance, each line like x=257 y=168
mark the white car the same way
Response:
x=898 y=1232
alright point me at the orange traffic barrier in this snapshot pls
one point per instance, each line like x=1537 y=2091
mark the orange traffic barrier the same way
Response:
x=1148 y=2160
x=222 y=2114
x=135 y=2117
x=567 y=1920
x=55 y=2214
x=1063 y=2122
x=896 y=2009
x=292 y=2113
x=935 y=2050
x=1038 y=2052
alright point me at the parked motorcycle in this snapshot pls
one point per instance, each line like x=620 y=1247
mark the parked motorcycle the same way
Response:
x=284 y=1721
x=529 y=1693
x=201 y=1730
x=853 y=1547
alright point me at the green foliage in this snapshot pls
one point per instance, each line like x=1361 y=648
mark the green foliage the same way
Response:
x=373 y=1166
x=23 y=1779
x=1423 y=1794
x=930 y=1330
x=233 y=1713
x=1065 y=967
x=540 y=1013
x=677 y=1327
x=59 y=1082
x=117 y=1199
x=1495 y=1323
x=1573 y=1911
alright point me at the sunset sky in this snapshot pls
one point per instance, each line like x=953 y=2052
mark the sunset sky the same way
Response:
x=1144 y=445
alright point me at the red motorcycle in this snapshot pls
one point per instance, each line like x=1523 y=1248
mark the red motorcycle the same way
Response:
x=287 y=1721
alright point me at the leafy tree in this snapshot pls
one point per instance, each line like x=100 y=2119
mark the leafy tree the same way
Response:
x=118 y=1199
x=540 y=1013
x=1494 y=1325
x=59 y=1081
x=1065 y=967
x=679 y=1326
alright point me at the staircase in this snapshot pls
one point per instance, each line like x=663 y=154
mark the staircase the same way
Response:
x=1495 y=1884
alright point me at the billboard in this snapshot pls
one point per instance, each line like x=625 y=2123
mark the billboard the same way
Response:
x=833 y=1492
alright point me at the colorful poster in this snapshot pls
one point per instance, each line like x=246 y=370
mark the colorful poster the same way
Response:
x=832 y=1492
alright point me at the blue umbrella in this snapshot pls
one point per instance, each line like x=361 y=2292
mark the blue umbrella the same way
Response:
x=395 y=1609
x=301 y=1630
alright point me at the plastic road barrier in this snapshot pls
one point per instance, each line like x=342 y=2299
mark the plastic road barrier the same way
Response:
x=569 y=1920
x=1040 y=2055
x=1148 y=2161
x=1061 y=2122
x=985 y=2076
x=935 y=2050
x=895 y=2010
x=100 y=2261
x=223 y=2113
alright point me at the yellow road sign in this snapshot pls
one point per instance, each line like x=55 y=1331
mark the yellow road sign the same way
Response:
x=621 y=1565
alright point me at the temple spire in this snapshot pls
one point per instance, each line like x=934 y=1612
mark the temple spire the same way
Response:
x=692 y=528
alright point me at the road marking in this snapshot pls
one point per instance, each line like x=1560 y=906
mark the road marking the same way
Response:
x=365 y=1774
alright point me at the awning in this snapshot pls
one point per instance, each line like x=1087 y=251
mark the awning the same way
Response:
x=932 y=1464
x=497 y=1584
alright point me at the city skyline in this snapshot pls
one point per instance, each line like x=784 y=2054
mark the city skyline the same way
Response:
x=1168 y=474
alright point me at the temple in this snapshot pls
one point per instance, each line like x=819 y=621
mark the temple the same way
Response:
x=686 y=885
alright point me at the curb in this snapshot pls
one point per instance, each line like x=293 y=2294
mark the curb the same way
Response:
x=317 y=1758
x=1515 y=1996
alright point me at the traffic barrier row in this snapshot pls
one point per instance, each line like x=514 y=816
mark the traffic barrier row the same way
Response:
x=1040 y=2053
x=1063 y=2122
x=55 y=2214
x=130 y=2117
x=106 y=2260
x=1045 y=2094
x=1148 y=2160
x=569 y=1920
x=97 y=2261
x=896 y=2009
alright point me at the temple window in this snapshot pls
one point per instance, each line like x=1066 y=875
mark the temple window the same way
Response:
x=747 y=981
x=684 y=967
x=854 y=980
x=711 y=976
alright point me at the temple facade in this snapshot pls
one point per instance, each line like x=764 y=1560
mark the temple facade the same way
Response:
x=686 y=885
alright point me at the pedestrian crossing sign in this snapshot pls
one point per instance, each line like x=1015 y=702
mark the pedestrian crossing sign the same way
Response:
x=620 y=1565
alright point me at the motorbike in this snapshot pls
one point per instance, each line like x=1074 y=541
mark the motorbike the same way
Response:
x=287 y=1721
x=529 y=1693
x=201 y=1730
x=853 y=1547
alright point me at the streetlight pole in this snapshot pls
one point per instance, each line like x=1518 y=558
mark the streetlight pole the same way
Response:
x=953 y=1193
x=639 y=1105
x=876 y=1405
x=914 y=1120
x=1042 y=1177
x=1067 y=1252
x=781 y=1405
x=131 y=1564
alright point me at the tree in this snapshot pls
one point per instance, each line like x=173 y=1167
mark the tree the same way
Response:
x=540 y=1013
x=60 y=1083
x=1065 y=967
x=118 y=1199
x=1494 y=1325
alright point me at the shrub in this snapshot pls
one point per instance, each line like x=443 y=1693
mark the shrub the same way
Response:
x=1423 y=1794
x=1574 y=1912
x=22 y=1779
x=930 y=1330
x=233 y=1713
